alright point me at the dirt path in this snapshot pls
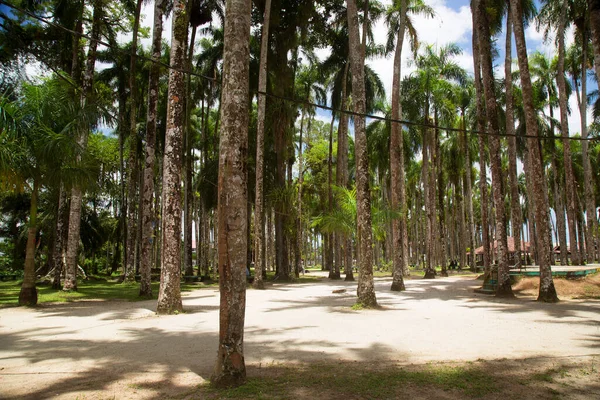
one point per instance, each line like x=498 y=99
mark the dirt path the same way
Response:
x=123 y=350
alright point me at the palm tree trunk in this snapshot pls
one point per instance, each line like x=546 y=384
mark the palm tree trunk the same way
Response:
x=230 y=369
x=148 y=184
x=189 y=192
x=468 y=189
x=588 y=182
x=366 y=287
x=482 y=163
x=504 y=287
x=397 y=166
x=59 y=249
x=76 y=193
x=342 y=172
x=547 y=292
x=259 y=213
x=515 y=204
x=564 y=127
x=333 y=268
x=169 y=295
x=28 y=295
x=559 y=209
x=132 y=164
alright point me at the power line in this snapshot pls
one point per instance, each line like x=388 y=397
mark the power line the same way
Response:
x=292 y=100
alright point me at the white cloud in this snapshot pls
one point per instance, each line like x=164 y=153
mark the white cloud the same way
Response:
x=447 y=26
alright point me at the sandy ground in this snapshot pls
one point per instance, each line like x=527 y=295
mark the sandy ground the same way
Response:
x=123 y=350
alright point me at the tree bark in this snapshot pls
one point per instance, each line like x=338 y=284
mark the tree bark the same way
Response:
x=588 y=182
x=188 y=196
x=132 y=164
x=58 y=252
x=230 y=369
x=82 y=137
x=513 y=182
x=570 y=188
x=482 y=164
x=148 y=221
x=28 y=295
x=504 y=287
x=366 y=287
x=547 y=292
x=259 y=212
x=397 y=166
x=169 y=295
x=342 y=171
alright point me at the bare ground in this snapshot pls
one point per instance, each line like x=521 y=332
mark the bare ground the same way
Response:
x=112 y=349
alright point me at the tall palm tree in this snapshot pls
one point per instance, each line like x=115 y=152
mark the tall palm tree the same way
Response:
x=547 y=292
x=148 y=180
x=230 y=369
x=169 y=295
x=259 y=214
x=554 y=14
x=366 y=287
x=515 y=205
x=543 y=73
x=483 y=24
x=76 y=192
x=480 y=112
x=399 y=23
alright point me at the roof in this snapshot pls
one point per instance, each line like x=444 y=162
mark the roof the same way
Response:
x=525 y=246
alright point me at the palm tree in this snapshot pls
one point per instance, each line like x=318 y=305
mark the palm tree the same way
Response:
x=480 y=112
x=398 y=22
x=259 y=214
x=148 y=183
x=544 y=73
x=547 y=292
x=230 y=369
x=432 y=86
x=36 y=134
x=484 y=35
x=366 y=288
x=515 y=205
x=554 y=13
x=76 y=192
x=169 y=295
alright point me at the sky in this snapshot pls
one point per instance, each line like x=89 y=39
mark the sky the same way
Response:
x=451 y=24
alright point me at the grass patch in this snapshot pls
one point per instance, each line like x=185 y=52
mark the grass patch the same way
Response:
x=87 y=290
x=358 y=381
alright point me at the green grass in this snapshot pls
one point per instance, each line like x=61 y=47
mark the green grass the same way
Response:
x=349 y=380
x=87 y=290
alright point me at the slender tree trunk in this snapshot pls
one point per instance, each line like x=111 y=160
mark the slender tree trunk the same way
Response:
x=169 y=295
x=132 y=164
x=504 y=287
x=559 y=209
x=513 y=182
x=28 y=295
x=366 y=287
x=547 y=291
x=397 y=166
x=148 y=185
x=482 y=164
x=58 y=250
x=342 y=171
x=259 y=213
x=588 y=181
x=230 y=369
x=333 y=269
x=299 y=237
x=564 y=128
x=70 y=282
x=189 y=192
